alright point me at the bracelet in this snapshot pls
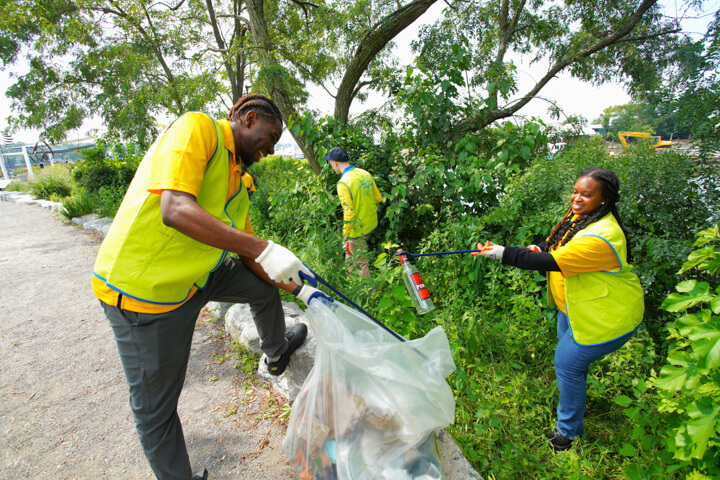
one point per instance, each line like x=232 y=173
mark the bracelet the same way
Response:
x=296 y=290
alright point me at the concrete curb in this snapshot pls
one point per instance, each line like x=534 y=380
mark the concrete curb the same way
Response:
x=88 y=222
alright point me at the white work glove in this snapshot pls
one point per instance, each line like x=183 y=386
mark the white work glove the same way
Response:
x=283 y=266
x=308 y=293
x=493 y=252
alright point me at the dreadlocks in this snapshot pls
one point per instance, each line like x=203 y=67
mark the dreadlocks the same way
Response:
x=260 y=104
x=566 y=228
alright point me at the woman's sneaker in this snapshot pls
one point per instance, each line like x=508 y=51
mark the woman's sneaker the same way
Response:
x=295 y=337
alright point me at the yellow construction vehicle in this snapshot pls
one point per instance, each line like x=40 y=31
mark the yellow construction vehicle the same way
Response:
x=632 y=137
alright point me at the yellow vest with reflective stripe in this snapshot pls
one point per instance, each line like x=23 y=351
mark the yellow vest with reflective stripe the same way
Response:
x=360 y=183
x=143 y=258
x=602 y=306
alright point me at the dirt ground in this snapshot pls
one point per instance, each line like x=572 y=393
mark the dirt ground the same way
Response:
x=64 y=410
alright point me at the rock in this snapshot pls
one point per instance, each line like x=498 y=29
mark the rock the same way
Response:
x=217 y=310
x=454 y=464
x=25 y=200
x=241 y=327
x=81 y=221
x=98 y=224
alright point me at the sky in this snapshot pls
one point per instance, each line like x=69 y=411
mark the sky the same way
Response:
x=573 y=96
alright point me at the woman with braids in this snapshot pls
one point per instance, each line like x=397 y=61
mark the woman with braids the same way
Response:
x=598 y=299
x=166 y=256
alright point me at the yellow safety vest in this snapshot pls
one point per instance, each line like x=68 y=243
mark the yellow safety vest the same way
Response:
x=602 y=306
x=144 y=259
x=361 y=183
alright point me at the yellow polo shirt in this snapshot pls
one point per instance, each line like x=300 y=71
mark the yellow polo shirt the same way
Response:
x=579 y=255
x=179 y=164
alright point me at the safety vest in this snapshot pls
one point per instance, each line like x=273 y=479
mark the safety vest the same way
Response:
x=360 y=183
x=144 y=259
x=602 y=306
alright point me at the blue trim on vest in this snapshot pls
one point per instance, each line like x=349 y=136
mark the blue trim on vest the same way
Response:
x=594 y=344
x=346 y=186
x=138 y=298
x=614 y=251
x=225 y=253
x=368 y=233
x=347 y=169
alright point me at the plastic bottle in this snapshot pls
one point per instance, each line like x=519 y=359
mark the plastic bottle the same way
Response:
x=416 y=287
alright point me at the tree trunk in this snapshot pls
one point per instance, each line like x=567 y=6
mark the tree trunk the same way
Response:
x=370 y=45
x=278 y=93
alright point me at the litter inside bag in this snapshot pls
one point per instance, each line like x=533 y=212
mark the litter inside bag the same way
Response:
x=370 y=406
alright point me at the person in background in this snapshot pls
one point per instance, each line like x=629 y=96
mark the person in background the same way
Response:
x=249 y=183
x=166 y=256
x=359 y=196
x=598 y=298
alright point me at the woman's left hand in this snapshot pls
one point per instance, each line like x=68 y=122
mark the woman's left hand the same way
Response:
x=489 y=250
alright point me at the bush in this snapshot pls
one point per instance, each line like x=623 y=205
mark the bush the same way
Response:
x=105 y=173
x=18 y=186
x=79 y=204
x=108 y=200
x=52 y=181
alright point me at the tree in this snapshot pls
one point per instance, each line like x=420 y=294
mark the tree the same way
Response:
x=641 y=116
x=359 y=31
x=126 y=61
x=594 y=41
x=691 y=91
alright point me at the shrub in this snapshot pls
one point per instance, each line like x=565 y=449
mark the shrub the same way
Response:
x=51 y=181
x=105 y=173
x=18 y=186
x=79 y=204
x=108 y=200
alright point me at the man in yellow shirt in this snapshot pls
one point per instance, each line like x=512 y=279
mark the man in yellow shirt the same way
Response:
x=358 y=196
x=166 y=256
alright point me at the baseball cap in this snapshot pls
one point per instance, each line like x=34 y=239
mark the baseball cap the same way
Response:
x=337 y=154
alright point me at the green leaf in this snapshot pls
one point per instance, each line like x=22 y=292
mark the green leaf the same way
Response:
x=628 y=450
x=695 y=293
x=715 y=305
x=706 y=345
x=686 y=286
x=700 y=430
x=671 y=378
x=623 y=401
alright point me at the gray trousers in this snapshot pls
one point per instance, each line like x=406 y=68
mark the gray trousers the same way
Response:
x=155 y=348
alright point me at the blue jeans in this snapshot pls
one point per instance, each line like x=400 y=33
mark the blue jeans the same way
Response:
x=571 y=369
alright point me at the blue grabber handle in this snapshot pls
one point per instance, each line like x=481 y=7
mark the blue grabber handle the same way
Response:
x=357 y=307
x=413 y=255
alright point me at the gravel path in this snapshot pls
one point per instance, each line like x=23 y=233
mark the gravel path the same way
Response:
x=64 y=410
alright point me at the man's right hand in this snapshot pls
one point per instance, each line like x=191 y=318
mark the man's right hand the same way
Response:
x=282 y=266
x=308 y=293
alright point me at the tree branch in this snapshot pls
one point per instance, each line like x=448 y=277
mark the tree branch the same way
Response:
x=484 y=119
x=369 y=46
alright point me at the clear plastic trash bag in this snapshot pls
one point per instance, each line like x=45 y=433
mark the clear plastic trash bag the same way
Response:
x=370 y=406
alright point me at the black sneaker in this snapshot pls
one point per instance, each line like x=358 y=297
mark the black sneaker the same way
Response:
x=200 y=475
x=295 y=337
x=558 y=441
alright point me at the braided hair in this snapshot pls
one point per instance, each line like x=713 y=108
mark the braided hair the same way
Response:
x=260 y=104
x=566 y=228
